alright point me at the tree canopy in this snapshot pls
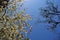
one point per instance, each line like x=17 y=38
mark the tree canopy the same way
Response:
x=13 y=25
x=52 y=14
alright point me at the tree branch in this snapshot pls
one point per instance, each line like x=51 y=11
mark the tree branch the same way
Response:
x=55 y=13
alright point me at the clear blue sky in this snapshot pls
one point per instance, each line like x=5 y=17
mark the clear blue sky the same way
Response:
x=39 y=31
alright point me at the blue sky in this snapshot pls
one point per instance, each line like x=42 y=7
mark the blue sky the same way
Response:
x=39 y=31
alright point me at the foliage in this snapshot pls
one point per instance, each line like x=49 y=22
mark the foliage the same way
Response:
x=13 y=25
x=51 y=13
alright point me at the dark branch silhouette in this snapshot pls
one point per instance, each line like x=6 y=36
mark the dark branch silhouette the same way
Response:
x=49 y=12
